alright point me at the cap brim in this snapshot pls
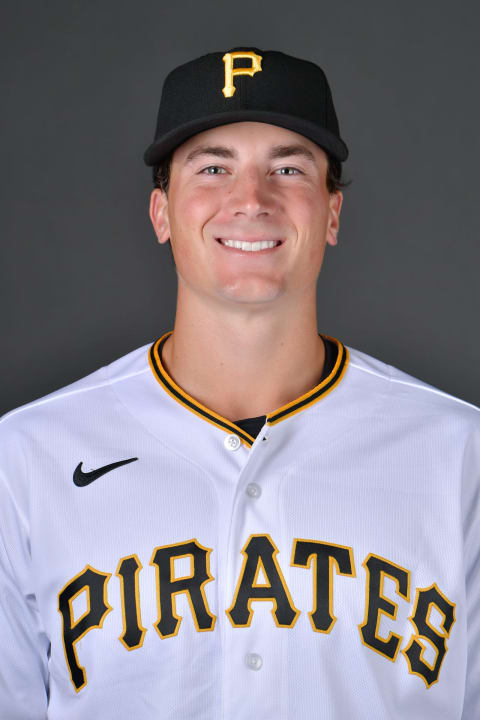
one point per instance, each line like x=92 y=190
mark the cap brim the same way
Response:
x=324 y=138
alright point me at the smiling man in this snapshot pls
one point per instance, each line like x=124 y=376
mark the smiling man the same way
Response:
x=248 y=234
x=245 y=518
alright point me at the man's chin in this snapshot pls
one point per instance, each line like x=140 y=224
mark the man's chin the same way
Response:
x=255 y=297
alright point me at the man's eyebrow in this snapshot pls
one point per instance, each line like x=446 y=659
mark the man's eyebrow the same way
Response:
x=276 y=152
x=217 y=150
x=283 y=151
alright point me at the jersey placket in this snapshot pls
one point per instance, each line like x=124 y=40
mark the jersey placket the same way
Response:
x=252 y=638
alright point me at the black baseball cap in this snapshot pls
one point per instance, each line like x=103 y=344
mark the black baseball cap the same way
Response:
x=246 y=84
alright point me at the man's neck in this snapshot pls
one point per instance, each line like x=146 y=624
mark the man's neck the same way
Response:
x=242 y=364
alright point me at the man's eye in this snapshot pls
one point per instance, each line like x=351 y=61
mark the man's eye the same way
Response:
x=211 y=167
x=289 y=168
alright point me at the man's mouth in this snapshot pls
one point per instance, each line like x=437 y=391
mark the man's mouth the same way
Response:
x=255 y=246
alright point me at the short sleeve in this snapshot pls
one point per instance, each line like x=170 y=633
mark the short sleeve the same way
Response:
x=471 y=515
x=24 y=644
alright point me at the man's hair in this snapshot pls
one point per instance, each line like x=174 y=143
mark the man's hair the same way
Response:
x=161 y=174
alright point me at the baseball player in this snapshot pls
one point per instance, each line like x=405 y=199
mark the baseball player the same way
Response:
x=245 y=518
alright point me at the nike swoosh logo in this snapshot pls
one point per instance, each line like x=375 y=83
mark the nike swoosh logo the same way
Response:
x=81 y=479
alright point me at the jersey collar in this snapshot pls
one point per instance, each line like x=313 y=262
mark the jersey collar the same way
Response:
x=300 y=403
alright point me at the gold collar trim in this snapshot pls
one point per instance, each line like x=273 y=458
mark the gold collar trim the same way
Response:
x=304 y=401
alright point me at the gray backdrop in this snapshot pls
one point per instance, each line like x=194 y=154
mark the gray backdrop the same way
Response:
x=82 y=278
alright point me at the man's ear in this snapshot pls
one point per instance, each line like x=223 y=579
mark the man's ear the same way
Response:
x=335 y=205
x=158 y=212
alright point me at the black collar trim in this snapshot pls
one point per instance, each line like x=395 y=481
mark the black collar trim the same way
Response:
x=309 y=398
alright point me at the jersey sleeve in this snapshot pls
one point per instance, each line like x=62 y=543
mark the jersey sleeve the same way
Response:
x=24 y=644
x=471 y=514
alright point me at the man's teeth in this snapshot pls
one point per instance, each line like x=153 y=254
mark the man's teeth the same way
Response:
x=249 y=246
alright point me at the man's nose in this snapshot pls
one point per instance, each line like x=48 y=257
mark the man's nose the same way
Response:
x=251 y=195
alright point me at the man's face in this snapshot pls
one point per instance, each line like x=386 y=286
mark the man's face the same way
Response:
x=247 y=182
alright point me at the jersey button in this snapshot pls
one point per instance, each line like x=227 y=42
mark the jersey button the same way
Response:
x=232 y=442
x=253 y=490
x=253 y=661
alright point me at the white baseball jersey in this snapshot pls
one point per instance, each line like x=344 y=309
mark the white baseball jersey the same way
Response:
x=157 y=562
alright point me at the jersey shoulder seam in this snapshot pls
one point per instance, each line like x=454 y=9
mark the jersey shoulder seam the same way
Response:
x=436 y=391
x=60 y=395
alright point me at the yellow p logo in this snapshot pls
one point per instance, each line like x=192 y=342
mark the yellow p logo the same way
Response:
x=230 y=71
